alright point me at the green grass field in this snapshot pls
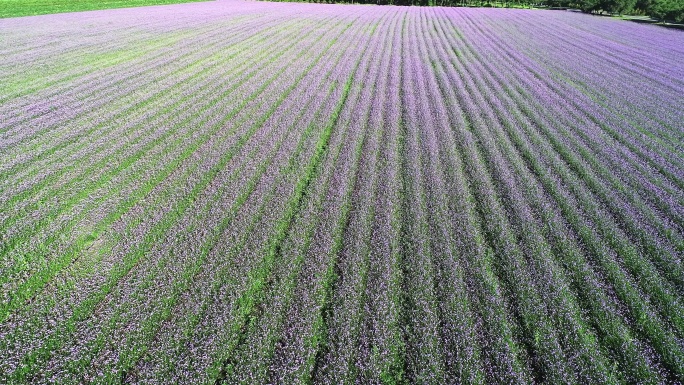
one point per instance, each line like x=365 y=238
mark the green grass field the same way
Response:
x=16 y=8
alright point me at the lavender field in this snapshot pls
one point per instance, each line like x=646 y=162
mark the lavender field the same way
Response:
x=241 y=192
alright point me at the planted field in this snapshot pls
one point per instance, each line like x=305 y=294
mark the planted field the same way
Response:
x=241 y=192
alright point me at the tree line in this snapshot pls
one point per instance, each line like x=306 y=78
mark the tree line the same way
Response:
x=663 y=10
x=671 y=10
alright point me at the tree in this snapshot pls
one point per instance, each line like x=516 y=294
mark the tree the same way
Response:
x=618 y=6
x=672 y=10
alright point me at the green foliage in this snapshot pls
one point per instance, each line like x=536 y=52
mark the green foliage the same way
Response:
x=667 y=10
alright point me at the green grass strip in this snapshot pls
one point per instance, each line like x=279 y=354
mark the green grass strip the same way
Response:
x=17 y=8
